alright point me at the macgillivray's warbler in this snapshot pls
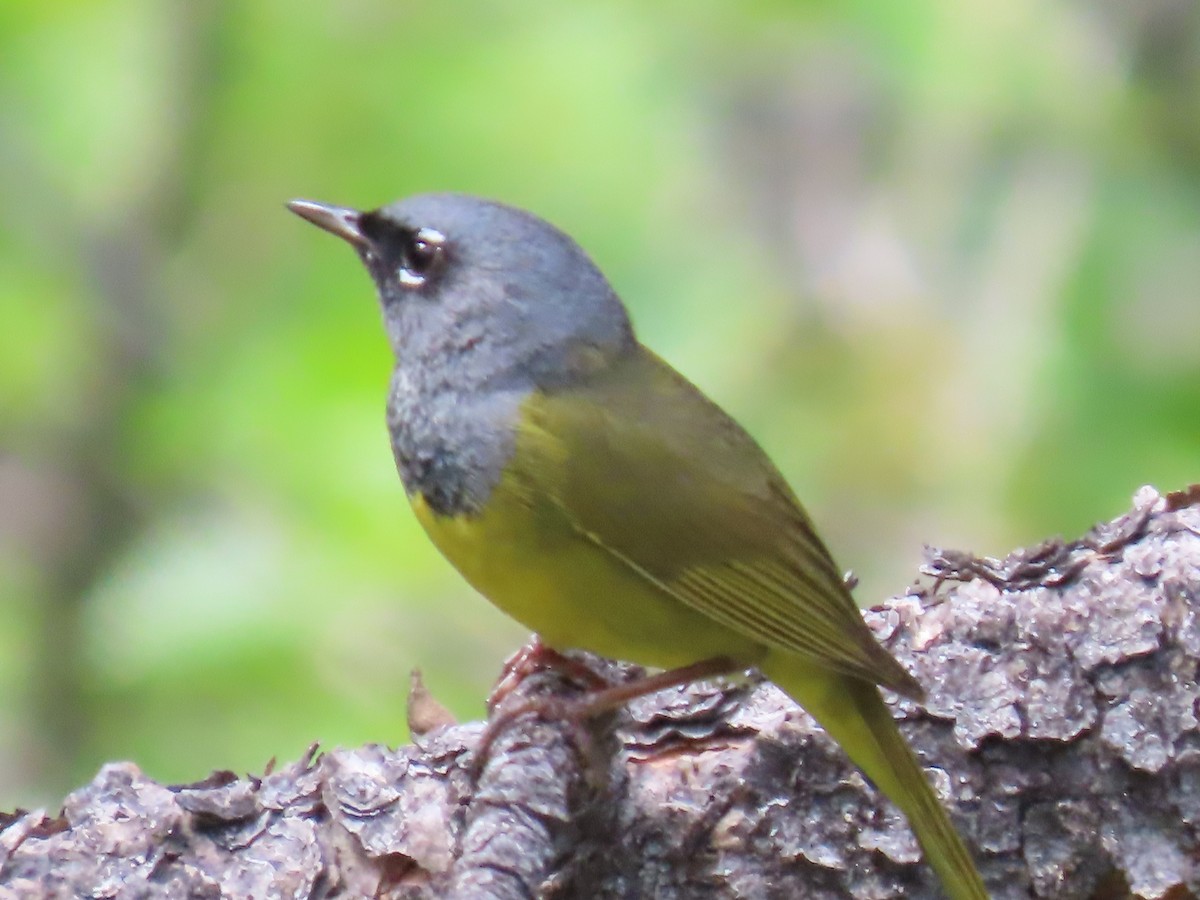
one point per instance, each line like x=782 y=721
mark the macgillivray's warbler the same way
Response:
x=599 y=498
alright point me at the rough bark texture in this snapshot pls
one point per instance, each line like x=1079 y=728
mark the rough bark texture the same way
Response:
x=1061 y=729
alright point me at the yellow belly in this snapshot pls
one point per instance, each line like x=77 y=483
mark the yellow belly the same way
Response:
x=571 y=591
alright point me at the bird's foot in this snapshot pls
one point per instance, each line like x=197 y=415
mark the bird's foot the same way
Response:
x=536 y=656
x=574 y=711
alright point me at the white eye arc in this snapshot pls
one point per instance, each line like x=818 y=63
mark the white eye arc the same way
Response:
x=423 y=253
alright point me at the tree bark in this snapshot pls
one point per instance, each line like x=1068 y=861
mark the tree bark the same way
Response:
x=1061 y=731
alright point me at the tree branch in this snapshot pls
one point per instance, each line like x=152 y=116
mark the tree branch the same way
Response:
x=1061 y=730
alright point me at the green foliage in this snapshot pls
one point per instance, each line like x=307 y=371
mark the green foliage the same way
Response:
x=941 y=258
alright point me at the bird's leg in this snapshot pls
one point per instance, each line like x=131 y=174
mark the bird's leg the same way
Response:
x=603 y=699
x=535 y=656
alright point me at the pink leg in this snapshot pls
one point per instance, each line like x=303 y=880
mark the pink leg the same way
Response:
x=602 y=699
x=536 y=656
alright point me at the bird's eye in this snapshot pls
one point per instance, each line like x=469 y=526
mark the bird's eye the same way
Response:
x=422 y=254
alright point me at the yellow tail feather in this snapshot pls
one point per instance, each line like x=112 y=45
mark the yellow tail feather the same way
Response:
x=854 y=714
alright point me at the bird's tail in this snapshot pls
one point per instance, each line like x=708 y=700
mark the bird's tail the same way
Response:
x=854 y=714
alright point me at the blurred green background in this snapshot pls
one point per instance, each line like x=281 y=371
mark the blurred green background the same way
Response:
x=942 y=259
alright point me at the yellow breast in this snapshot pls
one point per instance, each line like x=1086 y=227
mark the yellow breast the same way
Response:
x=534 y=567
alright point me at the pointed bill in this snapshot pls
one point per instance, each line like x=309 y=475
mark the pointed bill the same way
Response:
x=339 y=220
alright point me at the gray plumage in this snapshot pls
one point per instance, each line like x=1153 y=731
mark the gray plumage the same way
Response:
x=513 y=305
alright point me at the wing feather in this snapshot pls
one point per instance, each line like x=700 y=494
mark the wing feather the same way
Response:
x=646 y=468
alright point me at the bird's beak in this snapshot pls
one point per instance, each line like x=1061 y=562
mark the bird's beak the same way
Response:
x=339 y=220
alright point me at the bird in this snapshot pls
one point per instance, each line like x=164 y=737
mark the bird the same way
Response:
x=595 y=495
